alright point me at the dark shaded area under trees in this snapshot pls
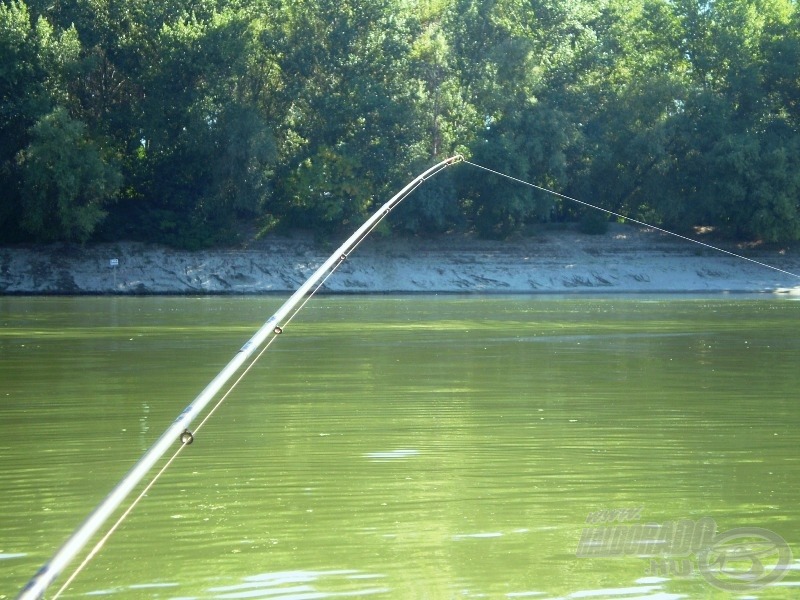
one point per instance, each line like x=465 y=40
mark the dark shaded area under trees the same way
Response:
x=182 y=121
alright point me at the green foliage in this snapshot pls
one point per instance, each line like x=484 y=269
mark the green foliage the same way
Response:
x=326 y=190
x=36 y=64
x=529 y=145
x=197 y=116
x=66 y=180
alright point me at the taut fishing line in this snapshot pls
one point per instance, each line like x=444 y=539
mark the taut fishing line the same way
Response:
x=618 y=215
x=265 y=336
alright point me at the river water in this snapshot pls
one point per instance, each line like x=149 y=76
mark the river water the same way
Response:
x=412 y=447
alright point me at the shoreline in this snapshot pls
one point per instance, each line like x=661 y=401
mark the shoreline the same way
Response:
x=627 y=259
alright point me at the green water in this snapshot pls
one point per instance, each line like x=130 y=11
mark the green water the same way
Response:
x=401 y=447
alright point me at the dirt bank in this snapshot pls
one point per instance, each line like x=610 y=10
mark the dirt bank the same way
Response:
x=627 y=259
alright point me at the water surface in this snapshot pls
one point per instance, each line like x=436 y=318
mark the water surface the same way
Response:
x=400 y=447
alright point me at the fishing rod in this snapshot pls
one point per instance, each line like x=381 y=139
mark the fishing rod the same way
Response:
x=179 y=429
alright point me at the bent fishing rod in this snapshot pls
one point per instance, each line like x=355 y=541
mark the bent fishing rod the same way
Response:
x=263 y=338
x=179 y=431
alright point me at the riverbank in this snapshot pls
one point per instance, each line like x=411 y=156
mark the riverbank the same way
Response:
x=626 y=259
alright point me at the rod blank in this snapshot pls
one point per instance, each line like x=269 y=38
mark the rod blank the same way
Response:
x=37 y=586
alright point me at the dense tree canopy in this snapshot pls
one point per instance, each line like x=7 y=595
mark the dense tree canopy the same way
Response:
x=180 y=121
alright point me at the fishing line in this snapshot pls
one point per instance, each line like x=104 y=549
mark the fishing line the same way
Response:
x=93 y=552
x=157 y=476
x=620 y=216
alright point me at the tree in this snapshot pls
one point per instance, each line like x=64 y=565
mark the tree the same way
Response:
x=444 y=122
x=36 y=63
x=67 y=180
x=205 y=147
x=199 y=115
x=513 y=58
x=735 y=145
x=529 y=146
x=349 y=126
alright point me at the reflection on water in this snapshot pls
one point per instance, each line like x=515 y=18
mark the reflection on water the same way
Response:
x=299 y=585
x=391 y=454
x=412 y=447
x=308 y=585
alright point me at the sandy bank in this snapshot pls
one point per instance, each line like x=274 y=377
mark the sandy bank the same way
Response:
x=627 y=259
